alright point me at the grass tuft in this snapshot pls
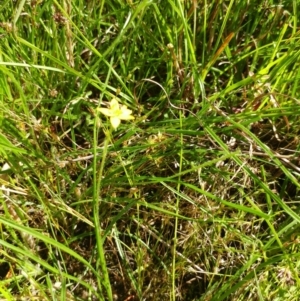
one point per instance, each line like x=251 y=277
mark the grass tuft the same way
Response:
x=196 y=197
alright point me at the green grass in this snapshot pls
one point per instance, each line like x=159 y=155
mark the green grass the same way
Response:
x=195 y=199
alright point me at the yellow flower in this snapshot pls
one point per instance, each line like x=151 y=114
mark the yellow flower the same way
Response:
x=116 y=113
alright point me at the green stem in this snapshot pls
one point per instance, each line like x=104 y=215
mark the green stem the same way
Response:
x=97 y=179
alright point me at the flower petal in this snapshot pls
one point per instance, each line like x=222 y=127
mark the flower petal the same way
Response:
x=126 y=113
x=126 y=117
x=115 y=122
x=114 y=105
x=106 y=112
